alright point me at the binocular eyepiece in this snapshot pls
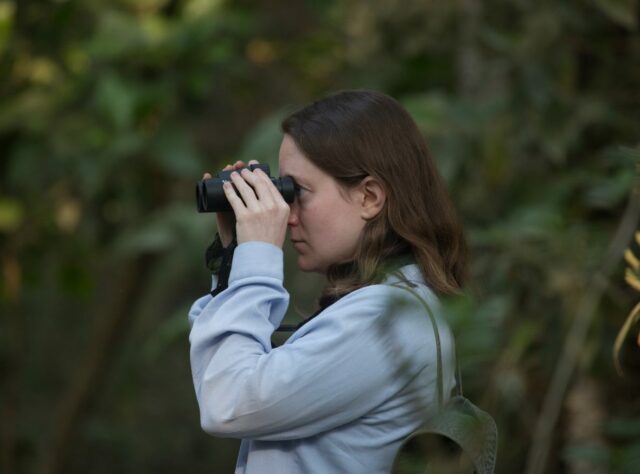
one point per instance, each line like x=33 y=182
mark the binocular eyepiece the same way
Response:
x=210 y=196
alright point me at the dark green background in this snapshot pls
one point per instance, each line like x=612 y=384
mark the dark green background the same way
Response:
x=110 y=110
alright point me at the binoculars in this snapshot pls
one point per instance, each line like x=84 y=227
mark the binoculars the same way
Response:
x=210 y=196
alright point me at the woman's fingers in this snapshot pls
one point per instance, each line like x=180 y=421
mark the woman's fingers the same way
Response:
x=266 y=191
x=260 y=187
x=259 y=216
x=237 y=165
x=269 y=186
x=255 y=188
x=232 y=196
x=247 y=192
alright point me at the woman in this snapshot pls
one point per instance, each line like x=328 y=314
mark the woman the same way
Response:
x=353 y=381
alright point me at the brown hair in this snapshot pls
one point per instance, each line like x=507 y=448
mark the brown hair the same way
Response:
x=357 y=133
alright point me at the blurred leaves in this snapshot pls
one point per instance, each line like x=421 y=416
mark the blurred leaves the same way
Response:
x=172 y=330
x=263 y=142
x=171 y=228
x=110 y=111
x=623 y=12
x=11 y=214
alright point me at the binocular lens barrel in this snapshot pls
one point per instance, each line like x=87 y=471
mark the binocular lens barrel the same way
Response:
x=210 y=196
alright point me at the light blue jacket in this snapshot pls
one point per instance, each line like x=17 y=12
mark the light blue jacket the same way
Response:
x=340 y=395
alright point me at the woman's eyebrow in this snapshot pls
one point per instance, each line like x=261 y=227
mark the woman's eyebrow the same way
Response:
x=296 y=178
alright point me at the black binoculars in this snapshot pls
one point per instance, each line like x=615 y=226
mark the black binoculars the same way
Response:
x=210 y=196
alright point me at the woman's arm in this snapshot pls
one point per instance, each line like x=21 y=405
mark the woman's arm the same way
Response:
x=202 y=302
x=346 y=363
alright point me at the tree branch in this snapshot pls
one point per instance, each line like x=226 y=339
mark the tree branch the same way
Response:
x=109 y=332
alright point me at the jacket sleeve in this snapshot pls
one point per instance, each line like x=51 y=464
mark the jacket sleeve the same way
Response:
x=200 y=303
x=347 y=362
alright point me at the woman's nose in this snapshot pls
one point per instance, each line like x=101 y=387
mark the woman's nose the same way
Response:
x=293 y=214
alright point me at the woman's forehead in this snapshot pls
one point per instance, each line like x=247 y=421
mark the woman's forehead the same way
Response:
x=293 y=163
x=289 y=149
x=292 y=167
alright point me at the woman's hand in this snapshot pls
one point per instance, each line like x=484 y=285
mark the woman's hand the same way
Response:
x=226 y=220
x=264 y=213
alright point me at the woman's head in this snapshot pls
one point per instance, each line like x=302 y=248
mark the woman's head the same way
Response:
x=326 y=219
x=382 y=195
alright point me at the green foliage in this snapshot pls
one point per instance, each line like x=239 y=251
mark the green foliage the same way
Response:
x=110 y=111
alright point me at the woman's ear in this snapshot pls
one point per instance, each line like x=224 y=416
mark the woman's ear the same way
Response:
x=372 y=197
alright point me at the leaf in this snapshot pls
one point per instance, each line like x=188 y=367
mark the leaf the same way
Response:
x=6 y=23
x=116 y=100
x=632 y=279
x=154 y=234
x=608 y=192
x=631 y=259
x=11 y=214
x=622 y=335
x=168 y=228
x=263 y=142
x=176 y=154
x=116 y=34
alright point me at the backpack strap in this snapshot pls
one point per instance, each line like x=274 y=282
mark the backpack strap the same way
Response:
x=458 y=419
x=436 y=333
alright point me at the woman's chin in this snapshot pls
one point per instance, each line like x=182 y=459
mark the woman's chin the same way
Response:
x=303 y=264
x=306 y=265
